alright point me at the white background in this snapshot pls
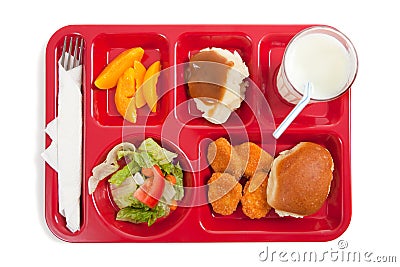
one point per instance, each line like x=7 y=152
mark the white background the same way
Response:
x=26 y=27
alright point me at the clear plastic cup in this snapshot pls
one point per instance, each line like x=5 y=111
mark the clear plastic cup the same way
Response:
x=321 y=55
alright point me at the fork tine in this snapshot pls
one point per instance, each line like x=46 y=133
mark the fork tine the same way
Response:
x=80 y=52
x=63 y=51
x=75 y=53
x=67 y=67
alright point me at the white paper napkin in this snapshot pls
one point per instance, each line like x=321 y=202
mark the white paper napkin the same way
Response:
x=64 y=154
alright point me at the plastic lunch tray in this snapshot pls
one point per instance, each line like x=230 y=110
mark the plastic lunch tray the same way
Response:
x=261 y=47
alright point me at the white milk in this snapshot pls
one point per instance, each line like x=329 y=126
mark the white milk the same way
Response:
x=320 y=59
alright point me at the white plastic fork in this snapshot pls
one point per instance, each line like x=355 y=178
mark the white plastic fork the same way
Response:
x=77 y=53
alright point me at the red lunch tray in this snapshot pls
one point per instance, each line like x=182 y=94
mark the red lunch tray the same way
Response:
x=261 y=47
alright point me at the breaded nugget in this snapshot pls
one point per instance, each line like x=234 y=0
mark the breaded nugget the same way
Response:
x=219 y=154
x=224 y=193
x=254 y=204
x=253 y=158
x=223 y=158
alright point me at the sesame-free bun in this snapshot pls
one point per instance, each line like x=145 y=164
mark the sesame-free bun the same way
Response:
x=300 y=180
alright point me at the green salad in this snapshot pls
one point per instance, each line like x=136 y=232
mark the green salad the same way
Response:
x=149 y=186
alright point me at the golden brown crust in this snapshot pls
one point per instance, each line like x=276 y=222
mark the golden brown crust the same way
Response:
x=254 y=158
x=223 y=158
x=300 y=179
x=254 y=204
x=224 y=193
x=218 y=154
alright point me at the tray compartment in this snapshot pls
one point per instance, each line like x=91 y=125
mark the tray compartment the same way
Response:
x=271 y=50
x=107 y=209
x=328 y=218
x=190 y=43
x=57 y=222
x=206 y=212
x=106 y=47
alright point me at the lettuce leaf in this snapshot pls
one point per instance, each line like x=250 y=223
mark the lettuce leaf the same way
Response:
x=160 y=155
x=128 y=170
x=123 y=193
x=124 y=153
x=144 y=159
x=176 y=171
x=140 y=213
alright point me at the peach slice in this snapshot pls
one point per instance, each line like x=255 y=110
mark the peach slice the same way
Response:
x=150 y=85
x=140 y=71
x=125 y=95
x=108 y=78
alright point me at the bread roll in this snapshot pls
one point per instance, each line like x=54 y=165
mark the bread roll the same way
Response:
x=300 y=180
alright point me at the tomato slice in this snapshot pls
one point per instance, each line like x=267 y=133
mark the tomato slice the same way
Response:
x=151 y=190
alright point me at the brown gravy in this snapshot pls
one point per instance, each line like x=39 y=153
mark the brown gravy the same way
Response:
x=205 y=79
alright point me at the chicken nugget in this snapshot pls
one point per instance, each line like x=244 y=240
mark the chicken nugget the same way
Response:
x=224 y=193
x=253 y=158
x=223 y=158
x=254 y=204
